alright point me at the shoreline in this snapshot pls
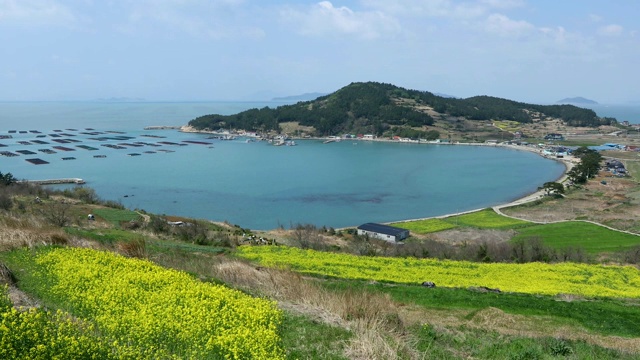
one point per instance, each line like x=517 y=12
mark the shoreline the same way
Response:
x=567 y=161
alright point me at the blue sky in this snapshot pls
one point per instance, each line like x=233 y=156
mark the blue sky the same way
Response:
x=174 y=50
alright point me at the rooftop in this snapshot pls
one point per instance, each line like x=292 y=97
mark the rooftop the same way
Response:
x=383 y=229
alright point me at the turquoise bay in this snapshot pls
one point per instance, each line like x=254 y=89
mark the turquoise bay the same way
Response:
x=258 y=185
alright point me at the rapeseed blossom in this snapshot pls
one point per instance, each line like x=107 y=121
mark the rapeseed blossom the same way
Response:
x=531 y=278
x=139 y=307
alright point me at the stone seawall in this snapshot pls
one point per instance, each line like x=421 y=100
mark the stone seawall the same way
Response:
x=55 y=181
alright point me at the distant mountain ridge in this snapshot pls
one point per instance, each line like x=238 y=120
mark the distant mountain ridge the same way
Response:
x=378 y=108
x=577 y=100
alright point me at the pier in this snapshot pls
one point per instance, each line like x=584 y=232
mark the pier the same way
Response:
x=162 y=127
x=55 y=181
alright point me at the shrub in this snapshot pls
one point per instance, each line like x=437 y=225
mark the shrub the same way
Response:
x=59 y=239
x=134 y=249
x=6 y=203
x=56 y=213
x=560 y=347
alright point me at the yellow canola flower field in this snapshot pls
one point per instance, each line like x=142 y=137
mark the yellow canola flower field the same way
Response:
x=39 y=334
x=159 y=312
x=531 y=278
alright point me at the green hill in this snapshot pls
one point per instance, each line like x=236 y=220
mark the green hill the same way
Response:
x=374 y=108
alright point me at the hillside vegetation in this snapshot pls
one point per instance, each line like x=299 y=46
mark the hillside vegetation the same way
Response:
x=376 y=108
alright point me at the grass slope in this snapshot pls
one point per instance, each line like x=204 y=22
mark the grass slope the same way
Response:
x=611 y=317
x=590 y=237
x=483 y=219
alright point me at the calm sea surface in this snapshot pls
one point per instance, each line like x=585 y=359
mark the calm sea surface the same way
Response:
x=255 y=184
x=630 y=113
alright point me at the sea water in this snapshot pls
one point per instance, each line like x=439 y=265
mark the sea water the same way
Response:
x=628 y=112
x=255 y=184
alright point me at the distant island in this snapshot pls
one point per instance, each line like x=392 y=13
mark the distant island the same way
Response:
x=445 y=95
x=302 y=97
x=577 y=100
x=122 y=99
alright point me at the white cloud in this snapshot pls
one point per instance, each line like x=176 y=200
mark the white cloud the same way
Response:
x=441 y=8
x=35 y=13
x=206 y=19
x=503 y=26
x=325 y=19
x=503 y=4
x=610 y=30
x=559 y=34
x=595 y=18
x=435 y=8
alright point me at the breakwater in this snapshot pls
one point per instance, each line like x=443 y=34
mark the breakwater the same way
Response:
x=56 y=181
x=162 y=127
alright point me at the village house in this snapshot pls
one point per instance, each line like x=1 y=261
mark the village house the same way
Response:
x=554 y=137
x=383 y=232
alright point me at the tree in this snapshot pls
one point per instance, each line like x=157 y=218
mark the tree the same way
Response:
x=587 y=168
x=553 y=188
x=56 y=213
x=307 y=236
x=7 y=179
x=576 y=175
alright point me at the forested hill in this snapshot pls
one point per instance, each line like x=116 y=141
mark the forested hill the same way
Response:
x=376 y=107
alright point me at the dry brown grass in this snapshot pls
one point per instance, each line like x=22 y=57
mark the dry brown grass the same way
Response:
x=28 y=232
x=463 y=236
x=493 y=319
x=613 y=204
x=373 y=318
x=133 y=249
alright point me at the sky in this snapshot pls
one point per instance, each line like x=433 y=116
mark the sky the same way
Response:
x=224 y=50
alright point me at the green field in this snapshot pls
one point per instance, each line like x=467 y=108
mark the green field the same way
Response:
x=590 y=237
x=483 y=219
x=605 y=316
x=487 y=219
x=116 y=216
x=426 y=226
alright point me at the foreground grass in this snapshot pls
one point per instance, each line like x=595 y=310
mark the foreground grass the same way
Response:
x=471 y=343
x=590 y=237
x=103 y=236
x=610 y=316
x=304 y=338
